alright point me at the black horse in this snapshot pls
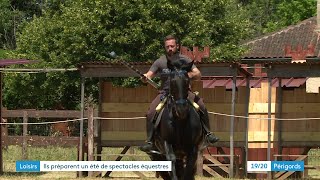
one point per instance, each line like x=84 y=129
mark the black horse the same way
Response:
x=179 y=133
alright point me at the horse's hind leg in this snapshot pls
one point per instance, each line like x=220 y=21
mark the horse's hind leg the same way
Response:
x=171 y=157
x=190 y=169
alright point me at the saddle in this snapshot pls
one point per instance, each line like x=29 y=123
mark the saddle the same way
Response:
x=159 y=108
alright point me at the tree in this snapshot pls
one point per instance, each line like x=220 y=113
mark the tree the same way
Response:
x=12 y=15
x=290 y=12
x=6 y=25
x=272 y=15
x=82 y=30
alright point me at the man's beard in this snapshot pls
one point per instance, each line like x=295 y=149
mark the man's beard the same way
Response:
x=170 y=53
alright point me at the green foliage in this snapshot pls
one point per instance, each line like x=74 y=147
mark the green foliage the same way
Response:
x=291 y=12
x=72 y=32
x=6 y=27
x=3 y=54
x=66 y=33
x=12 y=16
x=273 y=15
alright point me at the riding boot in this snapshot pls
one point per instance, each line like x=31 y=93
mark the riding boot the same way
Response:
x=211 y=138
x=149 y=146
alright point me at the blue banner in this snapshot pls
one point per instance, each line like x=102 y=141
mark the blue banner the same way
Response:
x=287 y=165
x=27 y=166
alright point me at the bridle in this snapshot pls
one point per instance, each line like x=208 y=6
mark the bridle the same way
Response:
x=178 y=92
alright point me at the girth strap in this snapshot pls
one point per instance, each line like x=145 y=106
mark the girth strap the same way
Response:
x=158 y=118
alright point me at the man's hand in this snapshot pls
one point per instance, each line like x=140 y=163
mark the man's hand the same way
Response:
x=144 y=78
x=194 y=74
x=147 y=75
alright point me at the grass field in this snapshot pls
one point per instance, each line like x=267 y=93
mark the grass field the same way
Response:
x=14 y=153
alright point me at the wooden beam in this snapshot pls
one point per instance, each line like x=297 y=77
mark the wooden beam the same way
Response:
x=254 y=108
x=125 y=107
x=123 y=135
x=218 y=69
x=90 y=139
x=285 y=174
x=253 y=136
x=107 y=69
x=287 y=70
x=124 y=151
x=1 y=133
x=43 y=113
x=111 y=70
x=25 y=134
x=211 y=171
x=214 y=161
x=106 y=143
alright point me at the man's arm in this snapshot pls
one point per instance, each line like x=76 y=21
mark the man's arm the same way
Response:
x=149 y=75
x=195 y=74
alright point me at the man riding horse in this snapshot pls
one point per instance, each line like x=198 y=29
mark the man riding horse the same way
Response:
x=171 y=46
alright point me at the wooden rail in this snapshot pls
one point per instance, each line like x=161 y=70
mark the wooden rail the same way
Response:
x=285 y=174
x=32 y=113
x=216 y=163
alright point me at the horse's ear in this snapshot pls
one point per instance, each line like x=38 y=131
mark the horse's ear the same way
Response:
x=188 y=66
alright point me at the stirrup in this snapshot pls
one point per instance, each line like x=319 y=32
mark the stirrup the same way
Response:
x=195 y=105
x=151 y=149
x=214 y=138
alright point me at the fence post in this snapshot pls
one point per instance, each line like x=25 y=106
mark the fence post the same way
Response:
x=25 y=133
x=90 y=137
x=200 y=163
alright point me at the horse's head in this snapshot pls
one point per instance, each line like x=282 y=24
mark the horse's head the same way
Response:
x=179 y=86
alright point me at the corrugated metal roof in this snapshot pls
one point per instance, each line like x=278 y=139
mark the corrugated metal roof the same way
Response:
x=7 y=62
x=254 y=83
x=286 y=42
x=294 y=63
x=146 y=62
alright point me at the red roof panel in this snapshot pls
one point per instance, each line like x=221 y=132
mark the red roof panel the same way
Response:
x=254 y=83
x=7 y=62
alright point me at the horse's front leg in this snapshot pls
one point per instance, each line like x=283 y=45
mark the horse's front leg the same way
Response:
x=170 y=156
x=191 y=164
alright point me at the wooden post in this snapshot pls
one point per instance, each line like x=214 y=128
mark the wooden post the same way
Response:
x=233 y=109
x=269 y=123
x=25 y=133
x=245 y=159
x=1 y=159
x=280 y=100
x=81 y=124
x=90 y=137
x=97 y=123
x=200 y=163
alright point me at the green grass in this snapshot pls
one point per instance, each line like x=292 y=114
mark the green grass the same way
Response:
x=50 y=153
x=14 y=153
